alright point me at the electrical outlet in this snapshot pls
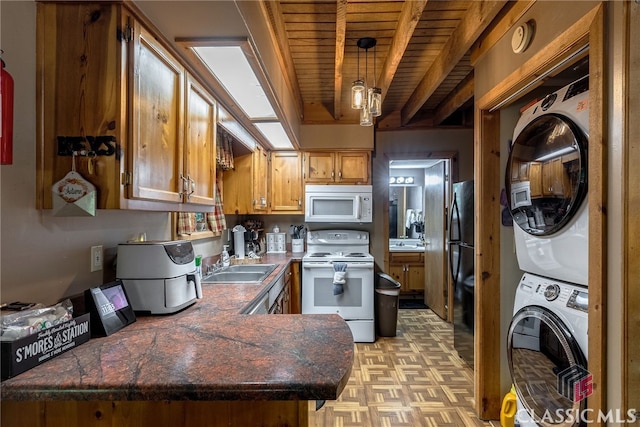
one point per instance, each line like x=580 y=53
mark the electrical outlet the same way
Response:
x=96 y=258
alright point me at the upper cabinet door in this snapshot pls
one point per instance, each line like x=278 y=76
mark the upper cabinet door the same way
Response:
x=157 y=121
x=260 y=197
x=286 y=181
x=353 y=168
x=348 y=167
x=200 y=158
x=319 y=167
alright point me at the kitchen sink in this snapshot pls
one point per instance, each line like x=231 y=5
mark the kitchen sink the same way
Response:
x=406 y=245
x=240 y=273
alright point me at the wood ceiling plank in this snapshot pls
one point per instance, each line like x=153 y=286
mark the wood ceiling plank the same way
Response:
x=476 y=20
x=461 y=94
x=407 y=22
x=279 y=34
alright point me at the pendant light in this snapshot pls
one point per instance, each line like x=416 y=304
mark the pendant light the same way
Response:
x=369 y=102
x=358 y=90
x=375 y=93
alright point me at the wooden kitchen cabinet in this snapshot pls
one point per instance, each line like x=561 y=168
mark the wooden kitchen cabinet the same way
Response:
x=110 y=90
x=245 y=187
x=295 y=286
x=275 y=184
x=157 y=120
x=555 y=181
x=282 y=304
x=200 y=144
x=408 y=269
x=349 y=167
x=286 y=182
x=535 y=179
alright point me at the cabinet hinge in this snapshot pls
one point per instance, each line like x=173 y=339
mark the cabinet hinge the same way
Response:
x=126 y=34
x=126 y=178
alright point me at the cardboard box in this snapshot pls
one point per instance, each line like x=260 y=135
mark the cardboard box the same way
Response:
x=25 y=353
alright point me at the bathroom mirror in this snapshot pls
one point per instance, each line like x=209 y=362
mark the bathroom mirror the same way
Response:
x=406 y=205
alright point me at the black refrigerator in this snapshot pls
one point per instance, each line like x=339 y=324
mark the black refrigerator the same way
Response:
x=461 y=267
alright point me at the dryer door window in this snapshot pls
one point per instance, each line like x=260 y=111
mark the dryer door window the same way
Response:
x=545 y=362
x=546 y=177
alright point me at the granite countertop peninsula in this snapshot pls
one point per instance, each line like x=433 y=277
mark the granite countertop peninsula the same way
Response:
x=208 y=351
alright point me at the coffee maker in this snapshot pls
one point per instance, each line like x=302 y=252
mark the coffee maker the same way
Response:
x=251 y=243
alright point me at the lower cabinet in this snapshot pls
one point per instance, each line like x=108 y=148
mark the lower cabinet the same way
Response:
x=408 y=269
x=268 y=413
x=281 y=290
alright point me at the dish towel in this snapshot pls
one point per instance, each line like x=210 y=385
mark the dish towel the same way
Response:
x=339 y=273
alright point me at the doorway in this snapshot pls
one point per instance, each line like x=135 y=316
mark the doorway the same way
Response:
x=416 y=219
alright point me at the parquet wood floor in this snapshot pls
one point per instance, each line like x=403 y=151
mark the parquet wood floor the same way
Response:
x=413 y=379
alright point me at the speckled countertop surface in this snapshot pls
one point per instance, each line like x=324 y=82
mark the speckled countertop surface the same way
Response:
x=209 y=351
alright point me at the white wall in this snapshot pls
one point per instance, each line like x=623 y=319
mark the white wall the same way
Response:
x=45 y=258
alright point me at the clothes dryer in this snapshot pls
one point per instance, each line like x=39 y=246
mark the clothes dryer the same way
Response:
x=546 y=183
x=547 y=352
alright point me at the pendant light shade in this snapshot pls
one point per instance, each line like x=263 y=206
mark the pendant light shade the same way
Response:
x=375 y=101
x=358 y=95
x=365 y=116
x=369 y=102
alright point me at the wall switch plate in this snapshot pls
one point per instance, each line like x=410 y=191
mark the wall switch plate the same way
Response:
x=96 y=258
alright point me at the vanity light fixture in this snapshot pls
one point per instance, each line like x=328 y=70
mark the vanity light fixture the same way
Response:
x=404 y=180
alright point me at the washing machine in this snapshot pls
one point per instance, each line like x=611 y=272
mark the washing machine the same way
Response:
x=546 y=185
x=547 y=352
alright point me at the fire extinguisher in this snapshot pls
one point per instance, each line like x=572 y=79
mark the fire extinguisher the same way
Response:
x=6 y=108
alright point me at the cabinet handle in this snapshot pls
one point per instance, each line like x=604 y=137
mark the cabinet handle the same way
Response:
x=299 y=201
x=333 y=174
x=340 y=174
x=185 y=185
x=191 y=186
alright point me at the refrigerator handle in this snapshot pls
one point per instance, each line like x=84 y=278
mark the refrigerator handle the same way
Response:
x=454 y=272
x=454 y=213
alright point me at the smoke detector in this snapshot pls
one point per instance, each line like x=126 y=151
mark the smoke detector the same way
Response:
x=522 y=37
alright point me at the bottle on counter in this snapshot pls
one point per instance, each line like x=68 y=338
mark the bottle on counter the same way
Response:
x=226 y=260
x=199 y=265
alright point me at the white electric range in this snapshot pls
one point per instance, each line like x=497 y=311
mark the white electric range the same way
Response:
x=348 y=250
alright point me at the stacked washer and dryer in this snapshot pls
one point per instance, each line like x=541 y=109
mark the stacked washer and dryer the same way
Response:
x=546 y=182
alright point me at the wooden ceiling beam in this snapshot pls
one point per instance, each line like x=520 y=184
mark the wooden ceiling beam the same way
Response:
x=475 y=21
x=341 y=31
x=456 y=99
x=407 y=21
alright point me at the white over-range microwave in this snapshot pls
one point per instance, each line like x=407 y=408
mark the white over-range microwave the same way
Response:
x=520 y=194
x=338 y=203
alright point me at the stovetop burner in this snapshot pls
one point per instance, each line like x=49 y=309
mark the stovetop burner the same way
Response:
x=328 y=246
x=319 y=254
x=337 y=254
